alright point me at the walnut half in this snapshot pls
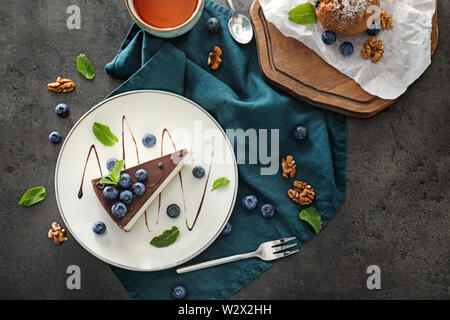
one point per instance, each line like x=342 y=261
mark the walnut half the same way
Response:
x=386 y=20
x=302 y=193
x=61 y=85
x=214 y=58
x=57 y=233
x=373 y=48
x=289 y=167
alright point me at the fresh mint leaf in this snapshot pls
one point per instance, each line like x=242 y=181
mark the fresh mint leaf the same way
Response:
x=104 y=134
x=312 y=216
x=220 y=183
x=115 y=174
x=84 y=66
x=107 y=181
x=167 y=238
x=303 y=14
x=33 y=196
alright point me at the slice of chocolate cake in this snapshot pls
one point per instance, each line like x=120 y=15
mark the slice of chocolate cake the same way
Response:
x=159 y=172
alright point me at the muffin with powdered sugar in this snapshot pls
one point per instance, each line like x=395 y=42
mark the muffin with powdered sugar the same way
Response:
x=346 y=17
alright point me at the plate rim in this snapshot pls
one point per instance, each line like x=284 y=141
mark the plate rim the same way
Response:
x=172 y=265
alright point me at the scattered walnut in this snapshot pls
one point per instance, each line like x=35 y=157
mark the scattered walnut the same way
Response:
x=386 y=20
x=373 y=48
x=214 y=58
x=57 y=233
x=289 y=167
x=302 y=193
x=61 y=85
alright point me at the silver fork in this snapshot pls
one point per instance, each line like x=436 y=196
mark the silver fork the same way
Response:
x=270 y=250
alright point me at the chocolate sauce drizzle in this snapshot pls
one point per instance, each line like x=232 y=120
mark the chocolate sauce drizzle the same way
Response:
x=203 y=197
x=124 y=119
x=80 y=191
x=165 y=131
x=179 y=173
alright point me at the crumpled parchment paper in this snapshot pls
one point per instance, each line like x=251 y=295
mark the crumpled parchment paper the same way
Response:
x=407 y=45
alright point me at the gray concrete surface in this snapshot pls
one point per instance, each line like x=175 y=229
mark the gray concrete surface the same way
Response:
x=396 y=213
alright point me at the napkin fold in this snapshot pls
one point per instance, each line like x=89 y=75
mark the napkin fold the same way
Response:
x=238 y=97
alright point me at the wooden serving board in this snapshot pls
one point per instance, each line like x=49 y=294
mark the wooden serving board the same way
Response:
x=291 y=66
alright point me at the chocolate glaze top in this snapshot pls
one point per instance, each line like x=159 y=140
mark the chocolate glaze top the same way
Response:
x=157 y=169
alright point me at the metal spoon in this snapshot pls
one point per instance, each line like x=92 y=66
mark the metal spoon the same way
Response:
x=239 y=25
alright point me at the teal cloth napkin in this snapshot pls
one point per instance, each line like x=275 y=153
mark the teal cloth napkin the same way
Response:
x=238 y=97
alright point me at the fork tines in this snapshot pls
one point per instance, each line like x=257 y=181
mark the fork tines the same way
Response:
x=278 y=246
x=280 y=241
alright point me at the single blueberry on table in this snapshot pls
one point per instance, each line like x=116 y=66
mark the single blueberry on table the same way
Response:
x=119 y=210
x=138 y=188
x=268 y=210
x=99 y=227
x=300 y=133
x=249 y=202
x=198 y=172
x=111 y=163
x=374 y=29
x=346 y=48
x=148 y=140
x=227 y=230
x=173 y=211
x=329 y=37
x=141 y=175
x=213 y=25
x=126 y=196
x=62 y=110
x=179 y=292
x=110 y=192
x=125 y=181
x=55 y=137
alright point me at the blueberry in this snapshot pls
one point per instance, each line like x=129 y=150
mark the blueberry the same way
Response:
x=62 y=110
x=173 y=211
x=198 y=172
x=119 y=210
x=107 y=176
x=148 y=140
x=110 y=192
x=227 y=230
x=54 y=137
x=268 y=210
x=329 y=37
x=249 y=202
x=346 y=48
x=141 y=175
x=111 y=163
x=99 y=227
x=138 y=188
x=300 y=133
x=213 y=25
x=179 y=292
x=374 y=29
x=125 y=181
x=126 y=196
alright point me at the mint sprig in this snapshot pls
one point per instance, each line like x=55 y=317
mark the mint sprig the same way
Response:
x=85 y=67
x=114 y=175
x=303 y=14
x=167 y=238
x=220 y=183
x=312 y=216
x=104 y=134
x=33 y=196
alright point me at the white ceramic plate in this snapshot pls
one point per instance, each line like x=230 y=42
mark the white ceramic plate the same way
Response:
x=147 y=112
